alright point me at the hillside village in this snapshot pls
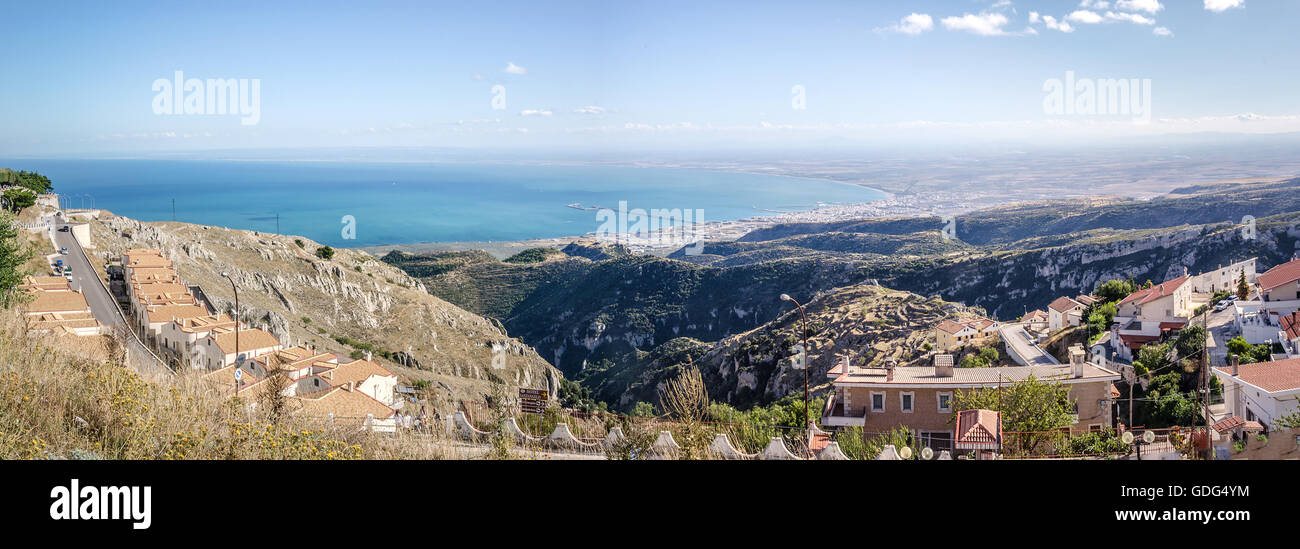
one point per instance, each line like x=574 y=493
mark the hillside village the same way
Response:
x=1089 y=344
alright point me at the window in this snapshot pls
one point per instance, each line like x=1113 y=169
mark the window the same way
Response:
x=877 y=402
x=945 y=402
x=1094 y=428
x=906 y=399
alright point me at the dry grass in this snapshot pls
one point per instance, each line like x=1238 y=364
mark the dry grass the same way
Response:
x=65 y=397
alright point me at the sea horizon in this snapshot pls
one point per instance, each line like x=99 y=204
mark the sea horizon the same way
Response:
x=397 y=203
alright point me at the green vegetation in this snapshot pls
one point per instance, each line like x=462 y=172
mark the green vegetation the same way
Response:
x=361 y=347
x=17 y=199
x=1029 y=407
x=325 y=252
x=300 y=243
x=1247 y=353
x=14 y=255
x=533 y=255
x=986 y=357
x=1243 y=289
x=36 y=182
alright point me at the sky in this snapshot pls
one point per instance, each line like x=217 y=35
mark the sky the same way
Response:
x=81 y=78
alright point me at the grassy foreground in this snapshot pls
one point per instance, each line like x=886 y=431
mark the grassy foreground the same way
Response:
x=68 y=397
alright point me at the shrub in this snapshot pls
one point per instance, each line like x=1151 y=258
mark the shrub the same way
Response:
x=325 y=252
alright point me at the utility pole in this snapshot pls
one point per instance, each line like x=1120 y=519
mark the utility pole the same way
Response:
x=277 y=222
x=173 y=209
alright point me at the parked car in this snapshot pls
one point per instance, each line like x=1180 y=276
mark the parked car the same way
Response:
x=63 y=251
x=1222 y=305
x=63 y=229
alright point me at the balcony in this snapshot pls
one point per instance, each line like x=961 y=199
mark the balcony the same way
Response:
x=834 y=414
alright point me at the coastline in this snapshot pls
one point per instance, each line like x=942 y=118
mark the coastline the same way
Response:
x=918 y=205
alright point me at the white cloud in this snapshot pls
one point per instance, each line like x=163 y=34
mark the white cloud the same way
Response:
x=1149 y=6
x=1054 y=24
x=1084 y=16
x=478 y=76
x=1224 y=5
x=1162 y=31
x=590 y=109
x=512 y=68
x=1130 y=17
x=1094 y=4
x=913 y=24
x=534 y=112
x=984 y=24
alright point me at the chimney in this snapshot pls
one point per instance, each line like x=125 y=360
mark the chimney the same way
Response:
x=367 y=356
x=943 y=365
x=1077 y=355
x=889 y=370
x=1236 y=365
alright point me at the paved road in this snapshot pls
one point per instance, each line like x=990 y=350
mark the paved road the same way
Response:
x=102 y=304
x=1018 y=339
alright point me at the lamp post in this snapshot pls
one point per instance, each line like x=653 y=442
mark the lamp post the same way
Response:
x=236 y=290
x=804 y=324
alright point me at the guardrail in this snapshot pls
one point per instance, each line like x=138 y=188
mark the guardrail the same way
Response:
x=161 y=366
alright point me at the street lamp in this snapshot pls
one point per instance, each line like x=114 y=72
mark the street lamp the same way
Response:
x=236 y=290
x=804 y=323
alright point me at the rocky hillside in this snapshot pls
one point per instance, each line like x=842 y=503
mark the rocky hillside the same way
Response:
x=600 y=317
x=349 y=302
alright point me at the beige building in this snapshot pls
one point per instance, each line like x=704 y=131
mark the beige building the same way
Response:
x=56 y=307
x=921 y=398
x=1063 y=312
x=218 y=349
x=951 y=334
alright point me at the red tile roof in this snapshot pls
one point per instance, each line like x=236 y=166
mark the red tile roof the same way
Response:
x=978 y=429
x=1063 y=304
x=1280 y=275
x=1158 y=291
x=1275 y=376
x=1172 y=325
x=1290 y=324
x=1229 y=424
x=1136 y=342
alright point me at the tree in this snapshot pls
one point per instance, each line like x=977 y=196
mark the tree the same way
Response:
x=1035 y=409
x=31 y=180
x=1151 y=358
x=1243 y=289
x=14 y=255
x=1114 y=290
x=1247 y=353
x=325 y=252
x=17 y=199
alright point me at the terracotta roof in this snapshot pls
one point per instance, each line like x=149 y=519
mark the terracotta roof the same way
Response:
x=356 y=371
x=224 y=378
x=1173 y=325
x=1290 y=324
x=1085 y=299
x=1036 y=315
x=1136 y=342
x=1063 y=304
x=167 y=313
x=950 y=326
x=1229 y=423
x=1280 y=275
x=345 y=404
x=45 y=283
x=298 y=357
x=206 y=323
x=249 y=340
x=1163 y=289
x=1252 y=426
x=57 y=301
x=975 y=377
x=978 y=429
x=1275 y=376
x=1114 y=392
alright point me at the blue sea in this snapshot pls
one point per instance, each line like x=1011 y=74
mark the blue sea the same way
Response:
x=401 y=203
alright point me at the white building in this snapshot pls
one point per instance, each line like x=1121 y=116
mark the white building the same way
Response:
x=1263 y=391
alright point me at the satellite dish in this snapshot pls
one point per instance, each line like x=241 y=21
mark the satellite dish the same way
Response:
x=1127 y=437
x=906 y=453
x=927 y=453
x=1149 y=437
